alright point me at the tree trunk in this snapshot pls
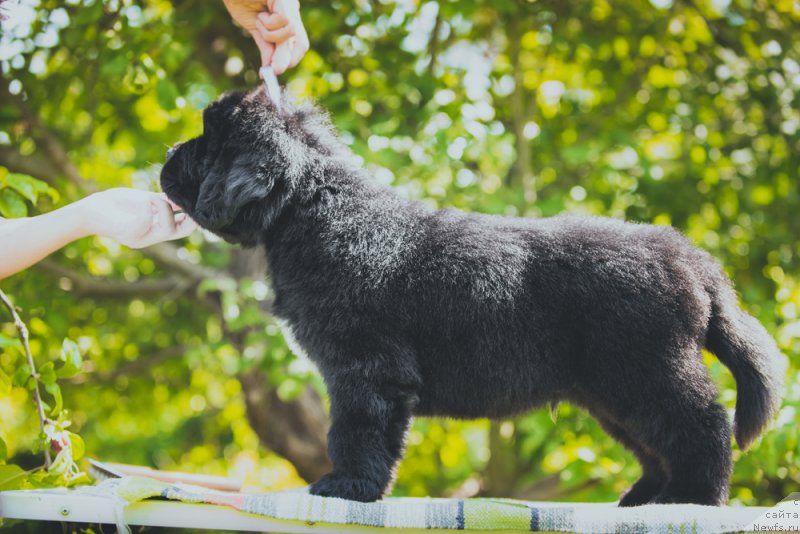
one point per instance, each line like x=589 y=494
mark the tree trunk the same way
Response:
x=500 y=476
x=521 y=174
x=296 y=430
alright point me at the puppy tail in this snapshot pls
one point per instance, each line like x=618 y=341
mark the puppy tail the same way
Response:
x=744 y=346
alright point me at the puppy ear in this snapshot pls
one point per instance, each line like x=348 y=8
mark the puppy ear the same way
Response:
x=210 y=209
x=248 y=183
x=256 y=194
x=235 y=194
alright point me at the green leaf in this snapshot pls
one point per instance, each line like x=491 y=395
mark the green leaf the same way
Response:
x=3 y=451
x=166 y=93
x=55 y=390
x=70 y=352
x=11 y=477
x=41 y=442
x=25 y=185
x=78 y=446
x=5 y=383
x=47 y=374
x=21 y=375
x=116 y=67
x=8 y=342
x=37 y=480
x=80 y=480
x=12 y=205
x=71 y=355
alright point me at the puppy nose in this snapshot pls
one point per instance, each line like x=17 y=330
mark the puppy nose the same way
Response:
x=172 y=149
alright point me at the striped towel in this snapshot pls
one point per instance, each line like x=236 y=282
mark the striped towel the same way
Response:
x=452 y=514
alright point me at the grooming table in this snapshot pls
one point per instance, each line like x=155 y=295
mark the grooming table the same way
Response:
x=128 y=501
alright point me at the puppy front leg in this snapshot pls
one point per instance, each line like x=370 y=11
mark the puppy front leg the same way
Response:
x=366 y=438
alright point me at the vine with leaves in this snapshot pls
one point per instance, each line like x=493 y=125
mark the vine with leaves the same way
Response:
x=54 y=437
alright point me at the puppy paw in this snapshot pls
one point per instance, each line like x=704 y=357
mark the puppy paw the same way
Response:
x=345 y=487
x=642 y=492
x=691 y=496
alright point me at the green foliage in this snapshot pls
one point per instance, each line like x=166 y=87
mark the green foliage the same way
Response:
x=71 y=356
x=16 y=189
x=63 y=471
x=12 y=477
x=670 y=112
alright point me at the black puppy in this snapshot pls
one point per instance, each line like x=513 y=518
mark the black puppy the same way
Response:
x=409 y=311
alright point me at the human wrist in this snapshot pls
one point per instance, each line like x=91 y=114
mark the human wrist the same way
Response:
x=76 y=219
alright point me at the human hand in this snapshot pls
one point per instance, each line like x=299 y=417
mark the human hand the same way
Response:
x=276 y=27
x=134 y=218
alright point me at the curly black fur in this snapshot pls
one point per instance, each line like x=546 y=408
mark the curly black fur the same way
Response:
x=410 y=311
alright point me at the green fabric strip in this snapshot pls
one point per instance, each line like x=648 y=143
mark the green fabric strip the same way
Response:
x=449 y=514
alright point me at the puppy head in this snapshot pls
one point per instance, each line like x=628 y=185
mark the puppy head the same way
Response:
x=236 y=178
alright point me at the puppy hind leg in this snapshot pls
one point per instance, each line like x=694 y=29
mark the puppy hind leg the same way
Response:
x=677 y=420
x=699 y=464
x=667 y=404
x=653 y=478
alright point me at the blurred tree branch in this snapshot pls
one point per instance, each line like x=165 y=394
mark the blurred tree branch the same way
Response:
x=34 y=165
x=140 y=364
x=48 y=140
x=166 y=255
x=433 y=44
x=90 y=286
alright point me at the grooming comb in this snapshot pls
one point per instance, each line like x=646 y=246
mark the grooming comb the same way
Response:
x=271 y=85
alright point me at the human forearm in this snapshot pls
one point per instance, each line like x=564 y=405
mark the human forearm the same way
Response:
x=23 y=242
x=134 y=218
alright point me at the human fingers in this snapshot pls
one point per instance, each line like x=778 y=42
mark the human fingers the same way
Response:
x=165 y=198
x=276 y=36
x=282 y=56
x=273 y=21
x=174 y=206
x=301 y=46
x=266 y=49
x=286 y=7
x=184 y=225
x=163 y=219
x=244 y=12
